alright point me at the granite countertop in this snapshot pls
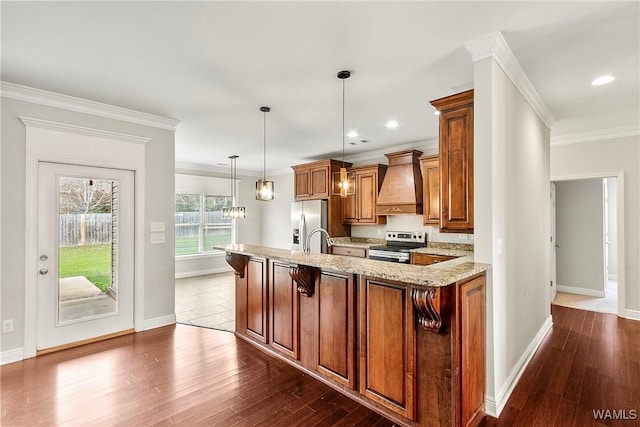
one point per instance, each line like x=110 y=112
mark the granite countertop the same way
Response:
x=441 y=274
x=357 y=242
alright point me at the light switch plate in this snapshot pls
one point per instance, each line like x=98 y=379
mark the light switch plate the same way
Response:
x=156 y=238
x=157 y=226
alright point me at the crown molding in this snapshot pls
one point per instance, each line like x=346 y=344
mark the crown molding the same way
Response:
x=65 y=102
x=81 y=130
x=373 y=155
x=218 y=170
x=595 y=135
x=495 y=46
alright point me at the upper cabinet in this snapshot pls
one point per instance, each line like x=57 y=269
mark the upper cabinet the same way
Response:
x=360 y=206
x=430 y=166
x=313 y=181
x=456 y=162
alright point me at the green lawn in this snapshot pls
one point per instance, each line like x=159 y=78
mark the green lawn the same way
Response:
x=189 y=245
x=91 y=261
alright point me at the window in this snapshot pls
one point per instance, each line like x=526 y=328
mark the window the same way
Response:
x=199 y=223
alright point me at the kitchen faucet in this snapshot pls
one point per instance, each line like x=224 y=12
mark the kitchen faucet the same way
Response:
x=307 y=247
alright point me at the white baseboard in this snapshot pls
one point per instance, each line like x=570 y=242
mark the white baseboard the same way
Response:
x=493 y=406
x=632 y=314
x=10 y=356
x=158 y=322
x=581 y=291
x=203 y=272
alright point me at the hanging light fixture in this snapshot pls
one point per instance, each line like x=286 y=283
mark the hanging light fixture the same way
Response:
x=233 y=212
x=264 y=188
x=344 y=182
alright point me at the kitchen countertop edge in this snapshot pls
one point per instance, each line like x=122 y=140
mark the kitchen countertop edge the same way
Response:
x=438 y=275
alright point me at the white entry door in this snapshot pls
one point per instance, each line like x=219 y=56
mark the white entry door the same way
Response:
x=85 y=253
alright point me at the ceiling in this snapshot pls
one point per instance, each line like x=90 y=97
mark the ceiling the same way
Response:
x=212 y=65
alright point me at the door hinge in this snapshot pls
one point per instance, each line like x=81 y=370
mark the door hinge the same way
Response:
x=551 y=283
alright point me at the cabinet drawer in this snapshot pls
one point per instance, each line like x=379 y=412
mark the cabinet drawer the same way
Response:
x=428 y=259
x=349 y=251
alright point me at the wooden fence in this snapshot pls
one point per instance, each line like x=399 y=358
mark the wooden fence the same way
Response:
x=85 y=229
x=188 y=223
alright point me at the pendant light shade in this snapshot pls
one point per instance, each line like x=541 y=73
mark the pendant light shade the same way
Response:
x=264 y=188
x=344 y=181
x=233 y=212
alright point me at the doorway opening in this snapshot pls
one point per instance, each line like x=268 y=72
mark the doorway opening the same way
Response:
x=586 y=243
x=204 y=285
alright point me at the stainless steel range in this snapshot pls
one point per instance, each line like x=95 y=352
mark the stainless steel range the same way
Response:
x=398 y=245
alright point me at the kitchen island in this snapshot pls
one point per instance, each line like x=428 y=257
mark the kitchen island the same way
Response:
x=404 y=340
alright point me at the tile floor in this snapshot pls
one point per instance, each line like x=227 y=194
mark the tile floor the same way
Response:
x=207 y=301
x=608 y=304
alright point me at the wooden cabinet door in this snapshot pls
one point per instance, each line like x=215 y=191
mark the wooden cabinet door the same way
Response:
x=256 y=296
x=349 y=205
x=335 y=323
x=472 y=350
x=367 y=194
x=302 y=184
x=320 y=182
x=360 y=208
x=284 y=313
x=387 y=345
x=456 y=162
x=431 y=189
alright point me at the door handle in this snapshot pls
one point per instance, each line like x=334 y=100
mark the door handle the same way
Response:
x=43 y=271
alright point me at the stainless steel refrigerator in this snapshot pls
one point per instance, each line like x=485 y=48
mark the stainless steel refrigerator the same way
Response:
x=305 y=217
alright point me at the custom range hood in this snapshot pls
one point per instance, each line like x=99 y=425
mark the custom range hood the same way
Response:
x=401 y=191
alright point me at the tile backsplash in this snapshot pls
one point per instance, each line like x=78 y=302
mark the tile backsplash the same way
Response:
x=409 y=223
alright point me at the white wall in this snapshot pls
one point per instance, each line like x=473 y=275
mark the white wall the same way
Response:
x=158 y=205
x=580 y=235
x=276 y=215
x=512 y=225
x=607 y=158
x=612 y=226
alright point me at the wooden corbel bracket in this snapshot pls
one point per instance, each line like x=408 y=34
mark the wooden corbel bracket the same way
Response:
x=237 y=262
x=303 y=275
x=427 y=304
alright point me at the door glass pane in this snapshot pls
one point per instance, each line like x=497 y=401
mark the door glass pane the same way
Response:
x=217 y=231
x=87 y=248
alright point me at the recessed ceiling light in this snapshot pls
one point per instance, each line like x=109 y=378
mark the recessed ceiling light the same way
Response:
x=392 y=124
x=602 y=80
x=352 y=134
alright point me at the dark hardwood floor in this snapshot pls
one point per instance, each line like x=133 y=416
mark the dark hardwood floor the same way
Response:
x=177 y=375
x=185 y=375
x=588 y=361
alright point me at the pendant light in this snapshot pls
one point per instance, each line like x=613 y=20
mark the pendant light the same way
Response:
x=344 y=182
x=233 y=212
x=264 y=188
